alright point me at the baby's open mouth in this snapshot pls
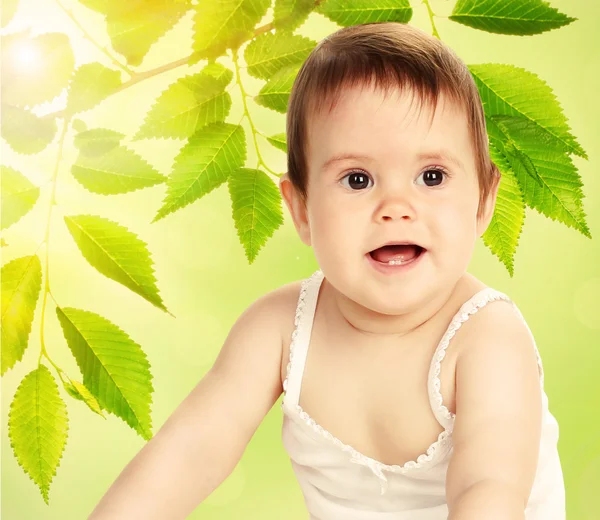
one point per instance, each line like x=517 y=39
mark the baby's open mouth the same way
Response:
x=397 y=253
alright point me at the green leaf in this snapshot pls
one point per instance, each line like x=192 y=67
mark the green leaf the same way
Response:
x=504 y=230
x=513 y=91
x=25 y=132
x=34 y=70
x=136 y=25
x=276 y=93
x=117 y=253
x=518 y=159
x=139 y=24
x=269 y=52
x=519 y=17
x=37 y=427
x=97 y=141
x=189 y=104
x=291 y=14
x=225 y=24
x=560 y=196
x=279 y=141
x=120 y=170
x=21 y=284
x=203 y=164
x=222 y=74
x=354 y=12
x=9 y=8
x=500 y=135
x=104 y=7
x=92 y=82
x=79 y=391
x=79 y=125
x=256 y=205
x=19 y=196
x=115 y=369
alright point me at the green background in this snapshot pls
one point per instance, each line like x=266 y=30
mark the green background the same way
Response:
x=206 y=282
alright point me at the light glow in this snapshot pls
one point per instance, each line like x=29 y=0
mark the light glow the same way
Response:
x=26 y=56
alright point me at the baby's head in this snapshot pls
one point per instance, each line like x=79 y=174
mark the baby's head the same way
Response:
x=393 y=98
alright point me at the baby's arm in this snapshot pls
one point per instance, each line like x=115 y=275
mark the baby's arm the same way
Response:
x=498 y=419
x=202 y=441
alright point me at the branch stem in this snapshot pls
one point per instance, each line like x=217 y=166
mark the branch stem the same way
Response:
x=247 y=114
x=46 y=241
x=431 y=15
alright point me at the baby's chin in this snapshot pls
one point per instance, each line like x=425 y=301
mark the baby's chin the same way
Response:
x=378 y=293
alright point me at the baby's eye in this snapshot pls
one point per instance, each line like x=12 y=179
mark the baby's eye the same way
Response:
x=433 y=175
x=357 y=179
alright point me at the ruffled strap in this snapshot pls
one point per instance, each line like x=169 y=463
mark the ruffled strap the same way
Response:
x=480 y=299
x=303 y=322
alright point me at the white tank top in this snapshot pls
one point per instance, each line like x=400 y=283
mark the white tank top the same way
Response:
x=339 y=483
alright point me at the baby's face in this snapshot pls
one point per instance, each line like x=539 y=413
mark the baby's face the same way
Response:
x=394 y=197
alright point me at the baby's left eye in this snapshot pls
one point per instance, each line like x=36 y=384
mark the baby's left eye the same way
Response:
x=435 y=176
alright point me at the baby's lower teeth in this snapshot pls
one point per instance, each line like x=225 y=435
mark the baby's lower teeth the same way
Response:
x=395 y=262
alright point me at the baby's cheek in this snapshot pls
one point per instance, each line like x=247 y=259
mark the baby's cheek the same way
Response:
x=455 y=228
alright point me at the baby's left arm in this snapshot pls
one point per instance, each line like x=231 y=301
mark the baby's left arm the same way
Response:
x=498 y=419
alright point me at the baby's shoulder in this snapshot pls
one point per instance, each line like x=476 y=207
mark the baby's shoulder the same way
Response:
x=281 y=305
x=286 y=294
x=496 y=319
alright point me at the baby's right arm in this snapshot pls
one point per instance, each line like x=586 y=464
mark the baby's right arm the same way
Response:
x=202 y=441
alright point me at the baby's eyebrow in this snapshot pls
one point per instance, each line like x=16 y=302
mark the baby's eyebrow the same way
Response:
x=343 y=157
x=441 y=155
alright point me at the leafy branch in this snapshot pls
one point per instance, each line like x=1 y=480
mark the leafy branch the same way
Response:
x=102 y=49
x=138 y=77
x=261 y=161
x=529 y=138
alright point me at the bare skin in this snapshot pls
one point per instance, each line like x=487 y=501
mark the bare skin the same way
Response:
x=374 y=385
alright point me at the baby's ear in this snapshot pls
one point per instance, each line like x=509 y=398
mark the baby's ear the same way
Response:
x=296 y=207
x=489 y=205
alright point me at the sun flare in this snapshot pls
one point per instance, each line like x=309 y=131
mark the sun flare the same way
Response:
x=26 y=56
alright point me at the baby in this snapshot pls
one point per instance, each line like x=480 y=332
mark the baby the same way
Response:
x=411 y=390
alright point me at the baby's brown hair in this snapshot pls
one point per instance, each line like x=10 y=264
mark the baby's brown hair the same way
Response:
x=392 y=55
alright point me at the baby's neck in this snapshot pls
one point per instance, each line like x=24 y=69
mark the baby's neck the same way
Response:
x=361 y=320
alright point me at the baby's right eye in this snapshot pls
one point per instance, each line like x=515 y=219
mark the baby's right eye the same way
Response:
x=357 y=179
